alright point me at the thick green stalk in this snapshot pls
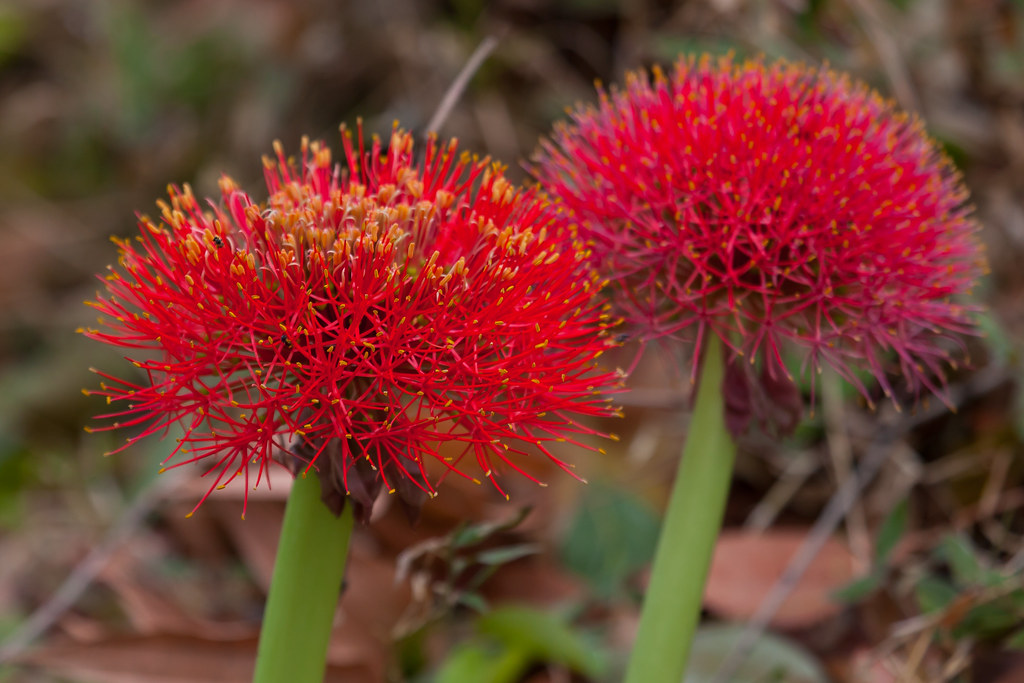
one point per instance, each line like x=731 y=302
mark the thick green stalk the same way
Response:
x=672 y=604
x=304 y=588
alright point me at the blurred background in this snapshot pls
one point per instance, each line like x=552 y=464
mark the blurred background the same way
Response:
x=103 y=103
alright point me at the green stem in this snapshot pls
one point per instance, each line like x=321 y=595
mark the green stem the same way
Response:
x=672 y=605
x=304 y=588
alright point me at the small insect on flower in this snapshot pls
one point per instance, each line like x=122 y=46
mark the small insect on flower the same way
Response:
x=773 y=206
x=369 y=318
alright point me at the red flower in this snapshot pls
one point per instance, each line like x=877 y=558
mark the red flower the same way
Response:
x=357 y=322
x=771 y=205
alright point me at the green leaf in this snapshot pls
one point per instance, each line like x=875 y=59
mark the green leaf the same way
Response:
x=998 y=342
x=544 y=637
x=858 y=589
x=475 y=662
x=499 y=556
x=934 y=594
x=472 y=534
x=1015 y=641
x=772 y=659
x=890 y=533
x=473 y=601
x=963 y=561
x=990 y=578
x=611 y=536
x=989 y=620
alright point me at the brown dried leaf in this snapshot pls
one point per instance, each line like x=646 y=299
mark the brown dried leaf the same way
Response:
x=169 y=659
x=150 y=659
x=747 y=564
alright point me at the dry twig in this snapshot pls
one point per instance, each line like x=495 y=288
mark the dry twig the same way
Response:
x=458 y=86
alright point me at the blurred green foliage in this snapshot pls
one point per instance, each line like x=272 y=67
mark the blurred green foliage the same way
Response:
x=970 y=599
x=611 y=536
x=511 y=639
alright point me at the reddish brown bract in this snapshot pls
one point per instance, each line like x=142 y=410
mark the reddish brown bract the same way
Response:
x=359 y=321
x=771 y=205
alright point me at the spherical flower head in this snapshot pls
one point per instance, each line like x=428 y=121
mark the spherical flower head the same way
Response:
x=771 y=205
x=384 y=324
